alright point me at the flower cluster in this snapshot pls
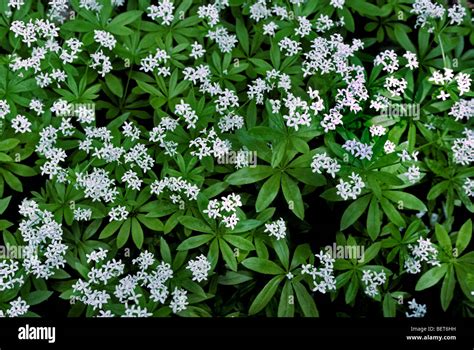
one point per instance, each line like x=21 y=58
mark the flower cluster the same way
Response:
x=200 y=268
x=225 y=209
x=372 y=280
x=276 y=229
x=423 y=251
x=352 y=188
x=44 y=236
x=323 y=161
x=323 y=277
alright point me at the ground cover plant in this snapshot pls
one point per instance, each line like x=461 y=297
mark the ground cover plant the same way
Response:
x=236 y=158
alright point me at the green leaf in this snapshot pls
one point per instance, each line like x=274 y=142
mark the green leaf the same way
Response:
x=406 y=200
x=150 y=223
x=79 y=26
x=37 y=297
x=286 y=306
x=389 y=306
x=281 y=248
x=165 y=251
x=447 y=289
x=249 y=175
x=464 y=236
x=363 y=7
x=4 y=203
x=137 y=233
x=443 y=238
x=373 y=219
x=268 y=192
x=300 y=255
x=431 y=277
x=306 y=302
x=228 y=255
x=245 y=226
x=239 y=242
x=110 y=229
x=8 y=144
x=293 y=196
x=265 y=295
x=242 y=35
x=114 y=84
x=12 y=180
x=194 y=224
x=232 y=278
x=194 y=242
x=123 y=234
x=437 y=189
x=351 y=290
x=403 y=38
x=126 y=18
x=20 y=169
x=278 y=152
x=371 y=252
x=392 y=213
x=263 y=266
x=306 y=176
x=354 y=211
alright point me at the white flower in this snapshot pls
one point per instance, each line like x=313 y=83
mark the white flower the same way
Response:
x=184 y=110
x=101 y=62
x=97 y=185
x=225 y=41
x=269 y=28
x=163 y=13
x=197 y=50
x=337 y=3
x=105 y=39
x=443 y=95
x=276 y=229
x=389 y=147
x=412 y=60
x=456 y=14
x=372 y=280
x=21 y=124
x=132 y=180
x=388 y=59
x=358 y=149
x=291 y=47
x=82 y=214
x=413 y=174
x=18 y=307
x=323 y=161
x=118 y=213
x=210 y=13
x=180 y=300
x=419 y=310
x=96 y=255
x=323 y=277
x=144 y=260
x=468 y=187
x=350 y=189
x=427 y=11
x=199 y=267
x=423 y=251
x=377 y=130
x=304 y=26
x=4 y=109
